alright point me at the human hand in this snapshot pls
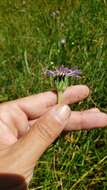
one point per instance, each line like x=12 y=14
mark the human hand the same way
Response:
x=29 y=125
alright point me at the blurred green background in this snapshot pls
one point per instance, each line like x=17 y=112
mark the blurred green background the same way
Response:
x=39 y=34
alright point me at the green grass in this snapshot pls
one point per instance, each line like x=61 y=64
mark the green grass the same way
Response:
x=30 y=36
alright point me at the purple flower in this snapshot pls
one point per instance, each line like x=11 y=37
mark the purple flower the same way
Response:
x=61 y=79
x=63 y=72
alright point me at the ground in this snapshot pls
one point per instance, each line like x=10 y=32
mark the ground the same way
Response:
x=36 y=35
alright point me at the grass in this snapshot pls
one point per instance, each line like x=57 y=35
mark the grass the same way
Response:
x=30 y=40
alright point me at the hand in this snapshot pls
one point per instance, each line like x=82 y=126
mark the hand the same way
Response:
x=29 y=125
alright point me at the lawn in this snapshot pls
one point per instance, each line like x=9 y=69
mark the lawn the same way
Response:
x=39 y=34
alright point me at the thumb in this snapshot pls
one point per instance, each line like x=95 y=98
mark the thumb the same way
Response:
x=46 y=130
x=40 y=136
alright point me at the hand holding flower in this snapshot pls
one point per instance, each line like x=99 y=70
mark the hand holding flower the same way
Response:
x=27 y=128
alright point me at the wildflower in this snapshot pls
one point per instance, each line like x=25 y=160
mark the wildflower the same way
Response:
x=60 y=76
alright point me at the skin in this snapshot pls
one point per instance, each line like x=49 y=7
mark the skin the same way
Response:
x=29 y=125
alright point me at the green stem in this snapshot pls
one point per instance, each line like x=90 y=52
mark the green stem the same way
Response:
x=60 y=95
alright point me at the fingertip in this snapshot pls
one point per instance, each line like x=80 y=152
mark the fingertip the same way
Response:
x=96 y=120
x=85 y=89
x=87 y=120
x=75 y=93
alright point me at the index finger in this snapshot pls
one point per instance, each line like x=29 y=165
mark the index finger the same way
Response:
x=36 y=105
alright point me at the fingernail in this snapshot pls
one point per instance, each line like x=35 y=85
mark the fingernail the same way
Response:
x=63 y=113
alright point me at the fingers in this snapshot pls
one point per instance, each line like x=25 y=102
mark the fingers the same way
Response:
x=40 y=136
x=36 y=105
x=89 y=119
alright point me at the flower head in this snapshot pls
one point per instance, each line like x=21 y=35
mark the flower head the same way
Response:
x=63 y=72
x=61 y=81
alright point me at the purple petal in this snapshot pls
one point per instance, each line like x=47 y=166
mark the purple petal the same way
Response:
x=50 y=73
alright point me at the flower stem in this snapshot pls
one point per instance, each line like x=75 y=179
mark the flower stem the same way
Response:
x=60 y=95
